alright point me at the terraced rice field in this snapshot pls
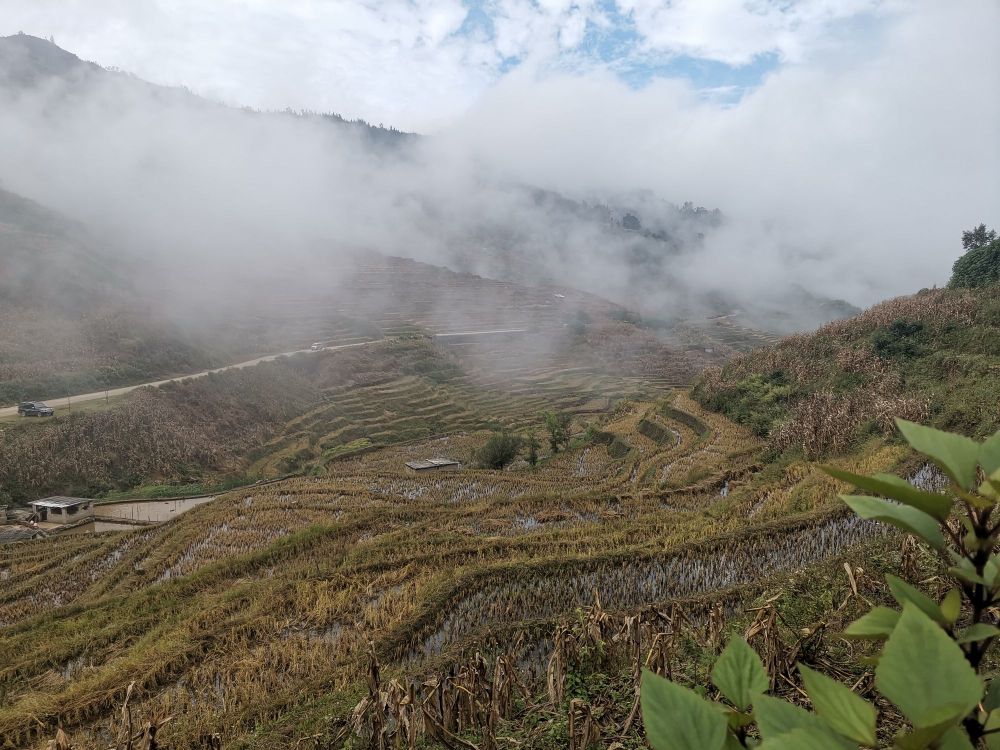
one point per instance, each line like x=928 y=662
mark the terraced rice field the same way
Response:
x=356 y=418
x=252 y=615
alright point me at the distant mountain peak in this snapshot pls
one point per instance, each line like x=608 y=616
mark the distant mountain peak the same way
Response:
x=27 y=60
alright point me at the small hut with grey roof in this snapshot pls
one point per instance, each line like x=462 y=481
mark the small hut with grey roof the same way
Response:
x=432 y=464
x=60 y=509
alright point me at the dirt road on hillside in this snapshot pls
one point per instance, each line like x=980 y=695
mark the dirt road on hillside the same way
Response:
x=63 y=401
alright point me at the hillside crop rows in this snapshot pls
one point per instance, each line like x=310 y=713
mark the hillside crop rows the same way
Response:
x=631 y=583
x=260 y=606
x=295 y=415
x=415 y=407
x=828 y=391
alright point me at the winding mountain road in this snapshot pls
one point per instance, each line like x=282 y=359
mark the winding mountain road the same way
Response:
x=63 y=401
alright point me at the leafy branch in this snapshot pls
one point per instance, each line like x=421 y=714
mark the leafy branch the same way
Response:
x=931 y=663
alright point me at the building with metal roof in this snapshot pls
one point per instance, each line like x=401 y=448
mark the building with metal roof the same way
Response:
x=60 y=509
x=432 y=464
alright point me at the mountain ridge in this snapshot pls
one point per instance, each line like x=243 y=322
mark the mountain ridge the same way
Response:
x=28 y=61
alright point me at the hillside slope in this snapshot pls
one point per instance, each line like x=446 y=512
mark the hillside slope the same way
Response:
x=78 y=314
x=666 y=514
x=301 y=575
x=933 y=356
x=296 y=414
x=71 y=318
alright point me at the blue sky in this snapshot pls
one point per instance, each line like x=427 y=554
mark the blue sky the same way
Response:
x=618 y=45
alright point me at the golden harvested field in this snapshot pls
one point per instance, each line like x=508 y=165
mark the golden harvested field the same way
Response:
x=252 y=616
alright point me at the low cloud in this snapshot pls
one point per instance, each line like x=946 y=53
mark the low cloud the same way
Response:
x=852 y=174
x=418 y=63
x=848 y=175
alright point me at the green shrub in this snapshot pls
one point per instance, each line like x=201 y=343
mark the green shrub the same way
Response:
x=900 y=339
x=757 y=401
x=932 y=662
x=978 y=267
x=625 y=316
x=601 y=437
x=578 y=323
x=557 y=425
x=499 y=451
x=618 y=448
x=699 y=427
x=532 y=444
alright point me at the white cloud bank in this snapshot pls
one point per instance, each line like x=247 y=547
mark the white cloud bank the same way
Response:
x=851 y=170
x=870 y=161
x=414 y=64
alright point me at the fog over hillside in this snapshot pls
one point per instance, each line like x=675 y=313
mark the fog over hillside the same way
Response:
x=549 y=177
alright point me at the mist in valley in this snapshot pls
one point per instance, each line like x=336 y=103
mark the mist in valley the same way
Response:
x=836 y=179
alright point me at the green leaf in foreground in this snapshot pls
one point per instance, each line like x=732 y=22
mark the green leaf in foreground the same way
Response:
x=776 y=717
x=991 y=701
x=844 y=710
x=990 y=488
x=804 y=739
x=992 y=727
x=955 y=739
x=739 y=674
x=895 y=488
x=877 y=624
x=989 y=455
x=904 y=593
x=921 y=738
x=902 y=516
x=979 y=632
x=966 y=571
x=925 y=673
x=957 y=455
x=677 y=718
x=951 y=606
